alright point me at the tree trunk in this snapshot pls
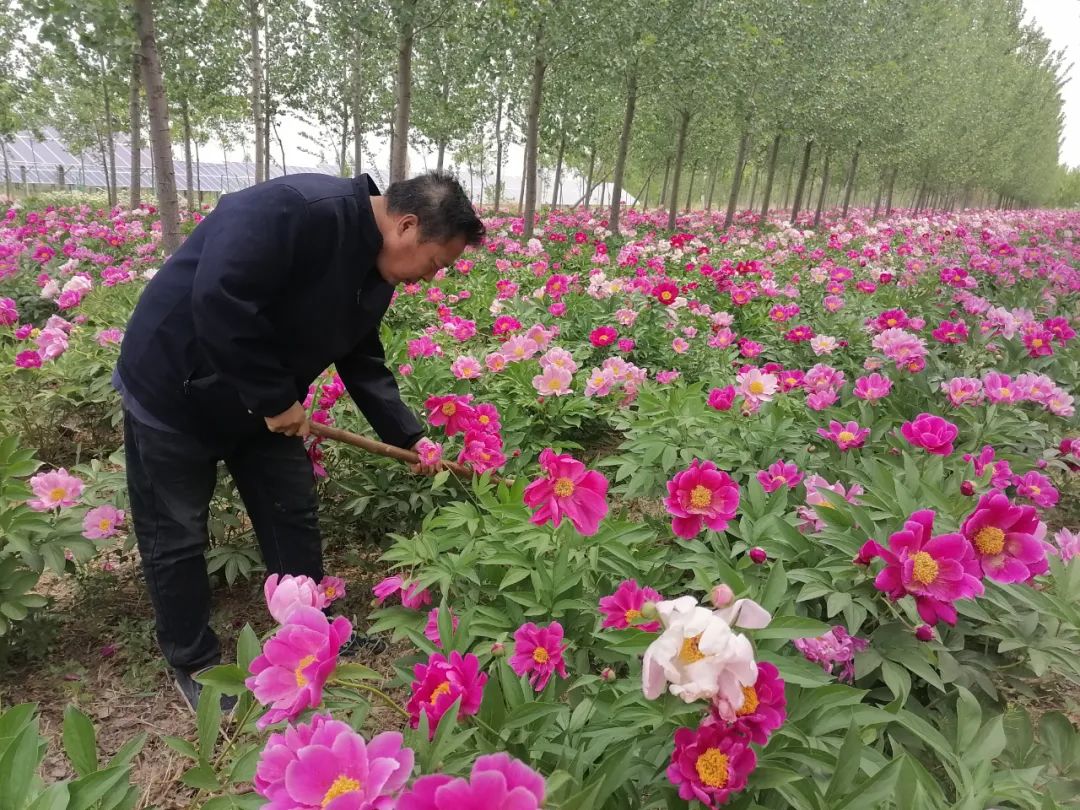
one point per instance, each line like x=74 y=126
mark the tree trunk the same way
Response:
x=690 y=187
x=558 y=171
x=267 y=106
x=824 y=188
x=663 y=188
x=603 y=192
x=797 y=204
x=888 y=198
x=498 y=154
x=589 y=178
x=736 y=180
x=189 y=174
x=442 y=155
x=773 y=154
x=680 y=153
x=644 y=193
x=7 y=171
x=198 y=175
x=753 y=187
x=110 y=164
x=281 y=147
x=344 y=167
x=521 y=191
x=624 y=149
x=712 y=185
x=357 y=118
x=256 y=86
x=851 y=180
x=158 y=106
x=399 y=144
x=877 y=199
x=532 y=127
x=788 y=187
x=135 y=116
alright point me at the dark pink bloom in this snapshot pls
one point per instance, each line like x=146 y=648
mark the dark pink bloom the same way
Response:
x=937 y=571
x=440 y=682
x=1039 y=343
x=873 y=387
x=538 y=651
x=701 y=494
x=710 y=763
x=623 y=608
x=846 y=435
x=832 y=648
x=1060 y=329
x=603 y=336
x=9 y=313
x=1005 y=537
x=28 y=359
x=431 y=629
x=763 y=709
x=930 y=432
x=567 y=489
x=412 y=596
x=780 y=474
x=453 y=411
x=721 y=399
x=1037 y=488
x=666 y=292
x=497 y=782
x=950 y=332
x=482 y=451
x=758 y=555
x=486 y=418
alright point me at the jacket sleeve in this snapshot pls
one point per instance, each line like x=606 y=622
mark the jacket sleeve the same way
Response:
x=246 y=263
x=374 y=390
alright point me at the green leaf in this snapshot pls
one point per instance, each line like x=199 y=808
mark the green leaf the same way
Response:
x=208 y=721
x=80 y=742
x=181 y=746
x=201 y=777
x=55 y=797
x=525 y=714
x=356 y=672
x=968 y=718
x=789 y=627
x=248 y=648
x=90 y=789
x=989 y=743
x=848 y=761
x=897 y=679
x=775 y=587
x=18 y=766
x=243 y=769
x=128 y=751
x=227 y=678
x=874 y=791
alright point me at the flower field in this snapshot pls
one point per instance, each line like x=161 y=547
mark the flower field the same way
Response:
x=762 y=517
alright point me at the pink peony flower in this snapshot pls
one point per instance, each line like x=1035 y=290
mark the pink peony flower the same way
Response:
x=820 y=400
x=52 y=342
x=495 y=362
x=930 y=432
x=497 y=782
x=9 y=313
x=599 y=383
x=721 y=399
x=1068 y=544
x=466 y=367
x=780 y=474
x=963 y=391
x=764 y=705
x=701 y=494
x=325 y=764
x=951 y=332
x=519 y=348
x=567 y=489
x=553 y=381
x=1036 y=488
x=754 y=385
x=442 y=682
x=832 y=648
x=290 y=672
x=431 y=629
x=998 y=387
x=1004 y=537
x=538 y=651
x=846 y=435
x=937 y=571
x=412 y=596
x=710 y=763
x=1039 y=343
x=603 y=336
x=873 y=387
x=453 y=411
x=622 y=609
x=55 y=489
x=101 y=522
x=666 y=292
x=332 y=589
x=560 y=358
x=286 y=593
x=430 y=452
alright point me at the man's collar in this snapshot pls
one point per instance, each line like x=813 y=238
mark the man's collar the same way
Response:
x=365 y=190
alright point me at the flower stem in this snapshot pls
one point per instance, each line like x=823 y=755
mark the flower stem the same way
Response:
x=363 y=687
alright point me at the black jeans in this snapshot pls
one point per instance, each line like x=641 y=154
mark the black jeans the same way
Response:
x=171 y=479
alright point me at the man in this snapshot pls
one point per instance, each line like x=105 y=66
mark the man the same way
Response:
x=280 y=281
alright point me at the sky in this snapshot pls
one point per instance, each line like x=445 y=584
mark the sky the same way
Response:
x=1060 y=21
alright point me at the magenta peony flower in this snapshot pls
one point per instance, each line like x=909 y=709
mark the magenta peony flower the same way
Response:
x=290 y=672
x=486 y=418
x=412 y=596
x=1005 y=539
x=951 y=332
x=567 y=489
x=539 y=652
x=930 y=432
x=482 y=451
x=721 y=399
x=332 y=589
x=101 y=522
x=28 y=359
x=820 y=400
x=1039 y=343
x=9 y=313
x=873 y=387
x=666 y=292
x=431 y=629
x=56 y=489
x=497 y=782
x=710 y=763
x=430 y=452
x=780 y=474
x=325 y=764
x=453 y=411
x=622 y=609
x=603 y=336
x=763 y=708
x=999 y=387
x=701 y=494
x=832 y=648
x=1037 y=488
x=846 y=436
x=286 y=593
x=440 y=683
x=937 y=571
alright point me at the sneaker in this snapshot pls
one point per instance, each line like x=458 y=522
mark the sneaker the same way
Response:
x=358 y=642
x=190 y=689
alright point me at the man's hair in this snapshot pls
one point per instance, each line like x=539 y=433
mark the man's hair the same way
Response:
x=440 y=204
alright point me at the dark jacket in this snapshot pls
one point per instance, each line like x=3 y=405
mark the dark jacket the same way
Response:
x=275 y=285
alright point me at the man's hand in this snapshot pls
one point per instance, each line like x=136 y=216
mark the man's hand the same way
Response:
x=426 y=469
x=293 y=422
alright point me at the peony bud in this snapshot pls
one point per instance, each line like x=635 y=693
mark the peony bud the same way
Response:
x=758 y=555
x=498 y=649
x=608 y=675
x=722 y=595
x=924 y=632
x=648 y=611
x=967 y=488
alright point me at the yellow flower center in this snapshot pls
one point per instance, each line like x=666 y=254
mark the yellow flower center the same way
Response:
x=700 y=497
x=926 y=568
x=779 y=479
x=846 y=436
x=540 y=655
x=690 y=653
x=442 y=689
x=330 y=591
x=891 y=321
x=564 y=488
x=791 y=381
x=757 y=387
x=990 y=540
x=342 y=785
x=35 y=332
x=449 y=409
x=301 y=679
x=1036 y=342
x=750 y=701
x=712 y=768
x=483 y=419
x=1005 y=392
x=57 y=493
x=519 y=351
x=632 y=616
x=1034 y=489
x=665 y=295
x=104 y=524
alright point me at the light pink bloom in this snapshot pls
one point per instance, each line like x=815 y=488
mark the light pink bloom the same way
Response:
x=780 y=474
x=560 y=358
x=332 y=589
x=466 y=367
x=284 y=594
x=553 y=381
x=497 y=782
x=1068 y=544
x=495 y=362
x=102 y=521
x=430 y=452
x=519 y=348
x=755 y=385
x=56 y=489
x=963 y=391
x=599 y=383
x=999 y=387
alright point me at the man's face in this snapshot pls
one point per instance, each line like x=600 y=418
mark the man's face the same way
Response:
x=406 y=258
